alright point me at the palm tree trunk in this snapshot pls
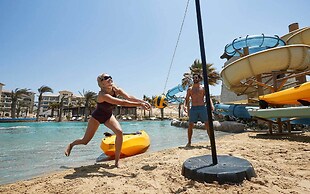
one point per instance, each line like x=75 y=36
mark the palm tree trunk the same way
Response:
x=78 y=111
x=39 y=106
x=38 y=112
x=60 y=115
x=60 y=111
x=13 y=109
x=18 y=111
x=52 y=112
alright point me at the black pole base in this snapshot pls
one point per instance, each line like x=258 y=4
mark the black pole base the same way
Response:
x=229 y=169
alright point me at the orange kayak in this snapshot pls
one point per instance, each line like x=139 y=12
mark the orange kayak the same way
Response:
x=134 y=143
x=289 y=96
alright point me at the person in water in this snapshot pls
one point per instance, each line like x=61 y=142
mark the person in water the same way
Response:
x=106 y=101
x=198 y=110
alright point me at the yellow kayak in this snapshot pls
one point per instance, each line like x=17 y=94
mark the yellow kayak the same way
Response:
x=289 y=96
x=134 y=143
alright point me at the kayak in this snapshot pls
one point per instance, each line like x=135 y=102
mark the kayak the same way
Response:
x=133 y=143
x=289 y=112
x=289 y=96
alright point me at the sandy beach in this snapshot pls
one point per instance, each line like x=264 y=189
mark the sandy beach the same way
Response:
x=282 y=165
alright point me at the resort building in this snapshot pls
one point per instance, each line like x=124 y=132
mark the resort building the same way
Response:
x=72 y=106
x=1 y=85
x=24 y=104
x=67 y=98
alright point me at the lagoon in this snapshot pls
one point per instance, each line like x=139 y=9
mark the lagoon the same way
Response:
x=32 y=149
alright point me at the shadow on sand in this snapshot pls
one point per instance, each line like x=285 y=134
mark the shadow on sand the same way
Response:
x=96 y=170
x=194 y=147
x=301 y=137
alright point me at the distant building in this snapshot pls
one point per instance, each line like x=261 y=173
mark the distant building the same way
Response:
x=69 y=100
x=48 y=99
x=25 y=104
x=1 y=85
x=73 y=105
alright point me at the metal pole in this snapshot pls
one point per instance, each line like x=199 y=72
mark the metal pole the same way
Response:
x=206 y=84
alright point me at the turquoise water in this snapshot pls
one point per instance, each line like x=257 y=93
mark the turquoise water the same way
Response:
x=31 y=149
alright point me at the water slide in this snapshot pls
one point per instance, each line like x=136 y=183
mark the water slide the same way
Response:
x=294 y=56
x=290 y=57
x=254 y=43
x=261 y=59
x=234 y=110
x=299 y=36
x=171 y=94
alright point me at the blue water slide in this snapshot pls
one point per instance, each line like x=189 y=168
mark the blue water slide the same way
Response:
x=235 y=110
x=240 y=111
x=171 y=94
x=255 y=43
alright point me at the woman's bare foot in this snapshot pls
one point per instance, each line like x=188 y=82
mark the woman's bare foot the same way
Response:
x=68 y=150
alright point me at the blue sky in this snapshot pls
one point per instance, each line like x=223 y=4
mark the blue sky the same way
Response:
x=67 y=44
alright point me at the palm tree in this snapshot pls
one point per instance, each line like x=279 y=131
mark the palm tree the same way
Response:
x=187 y=80
x=89 y=96
x=196 y=67
x=15 y=95
x=79 y=103
x=23 y=105
x=53 y=106
x=42 y=90
x=92 y=105
x=18 y=108
x=61 y=107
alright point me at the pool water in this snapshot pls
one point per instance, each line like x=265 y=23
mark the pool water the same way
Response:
x=32 y=149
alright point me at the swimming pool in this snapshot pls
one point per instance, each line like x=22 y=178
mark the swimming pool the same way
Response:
x=32 y=149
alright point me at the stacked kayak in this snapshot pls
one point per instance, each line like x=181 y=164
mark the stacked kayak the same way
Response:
x=290 y=112
x=133 y=143
x=294 y=95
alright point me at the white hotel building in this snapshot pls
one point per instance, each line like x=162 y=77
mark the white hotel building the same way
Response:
x=6 y=101
x=69 y=100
